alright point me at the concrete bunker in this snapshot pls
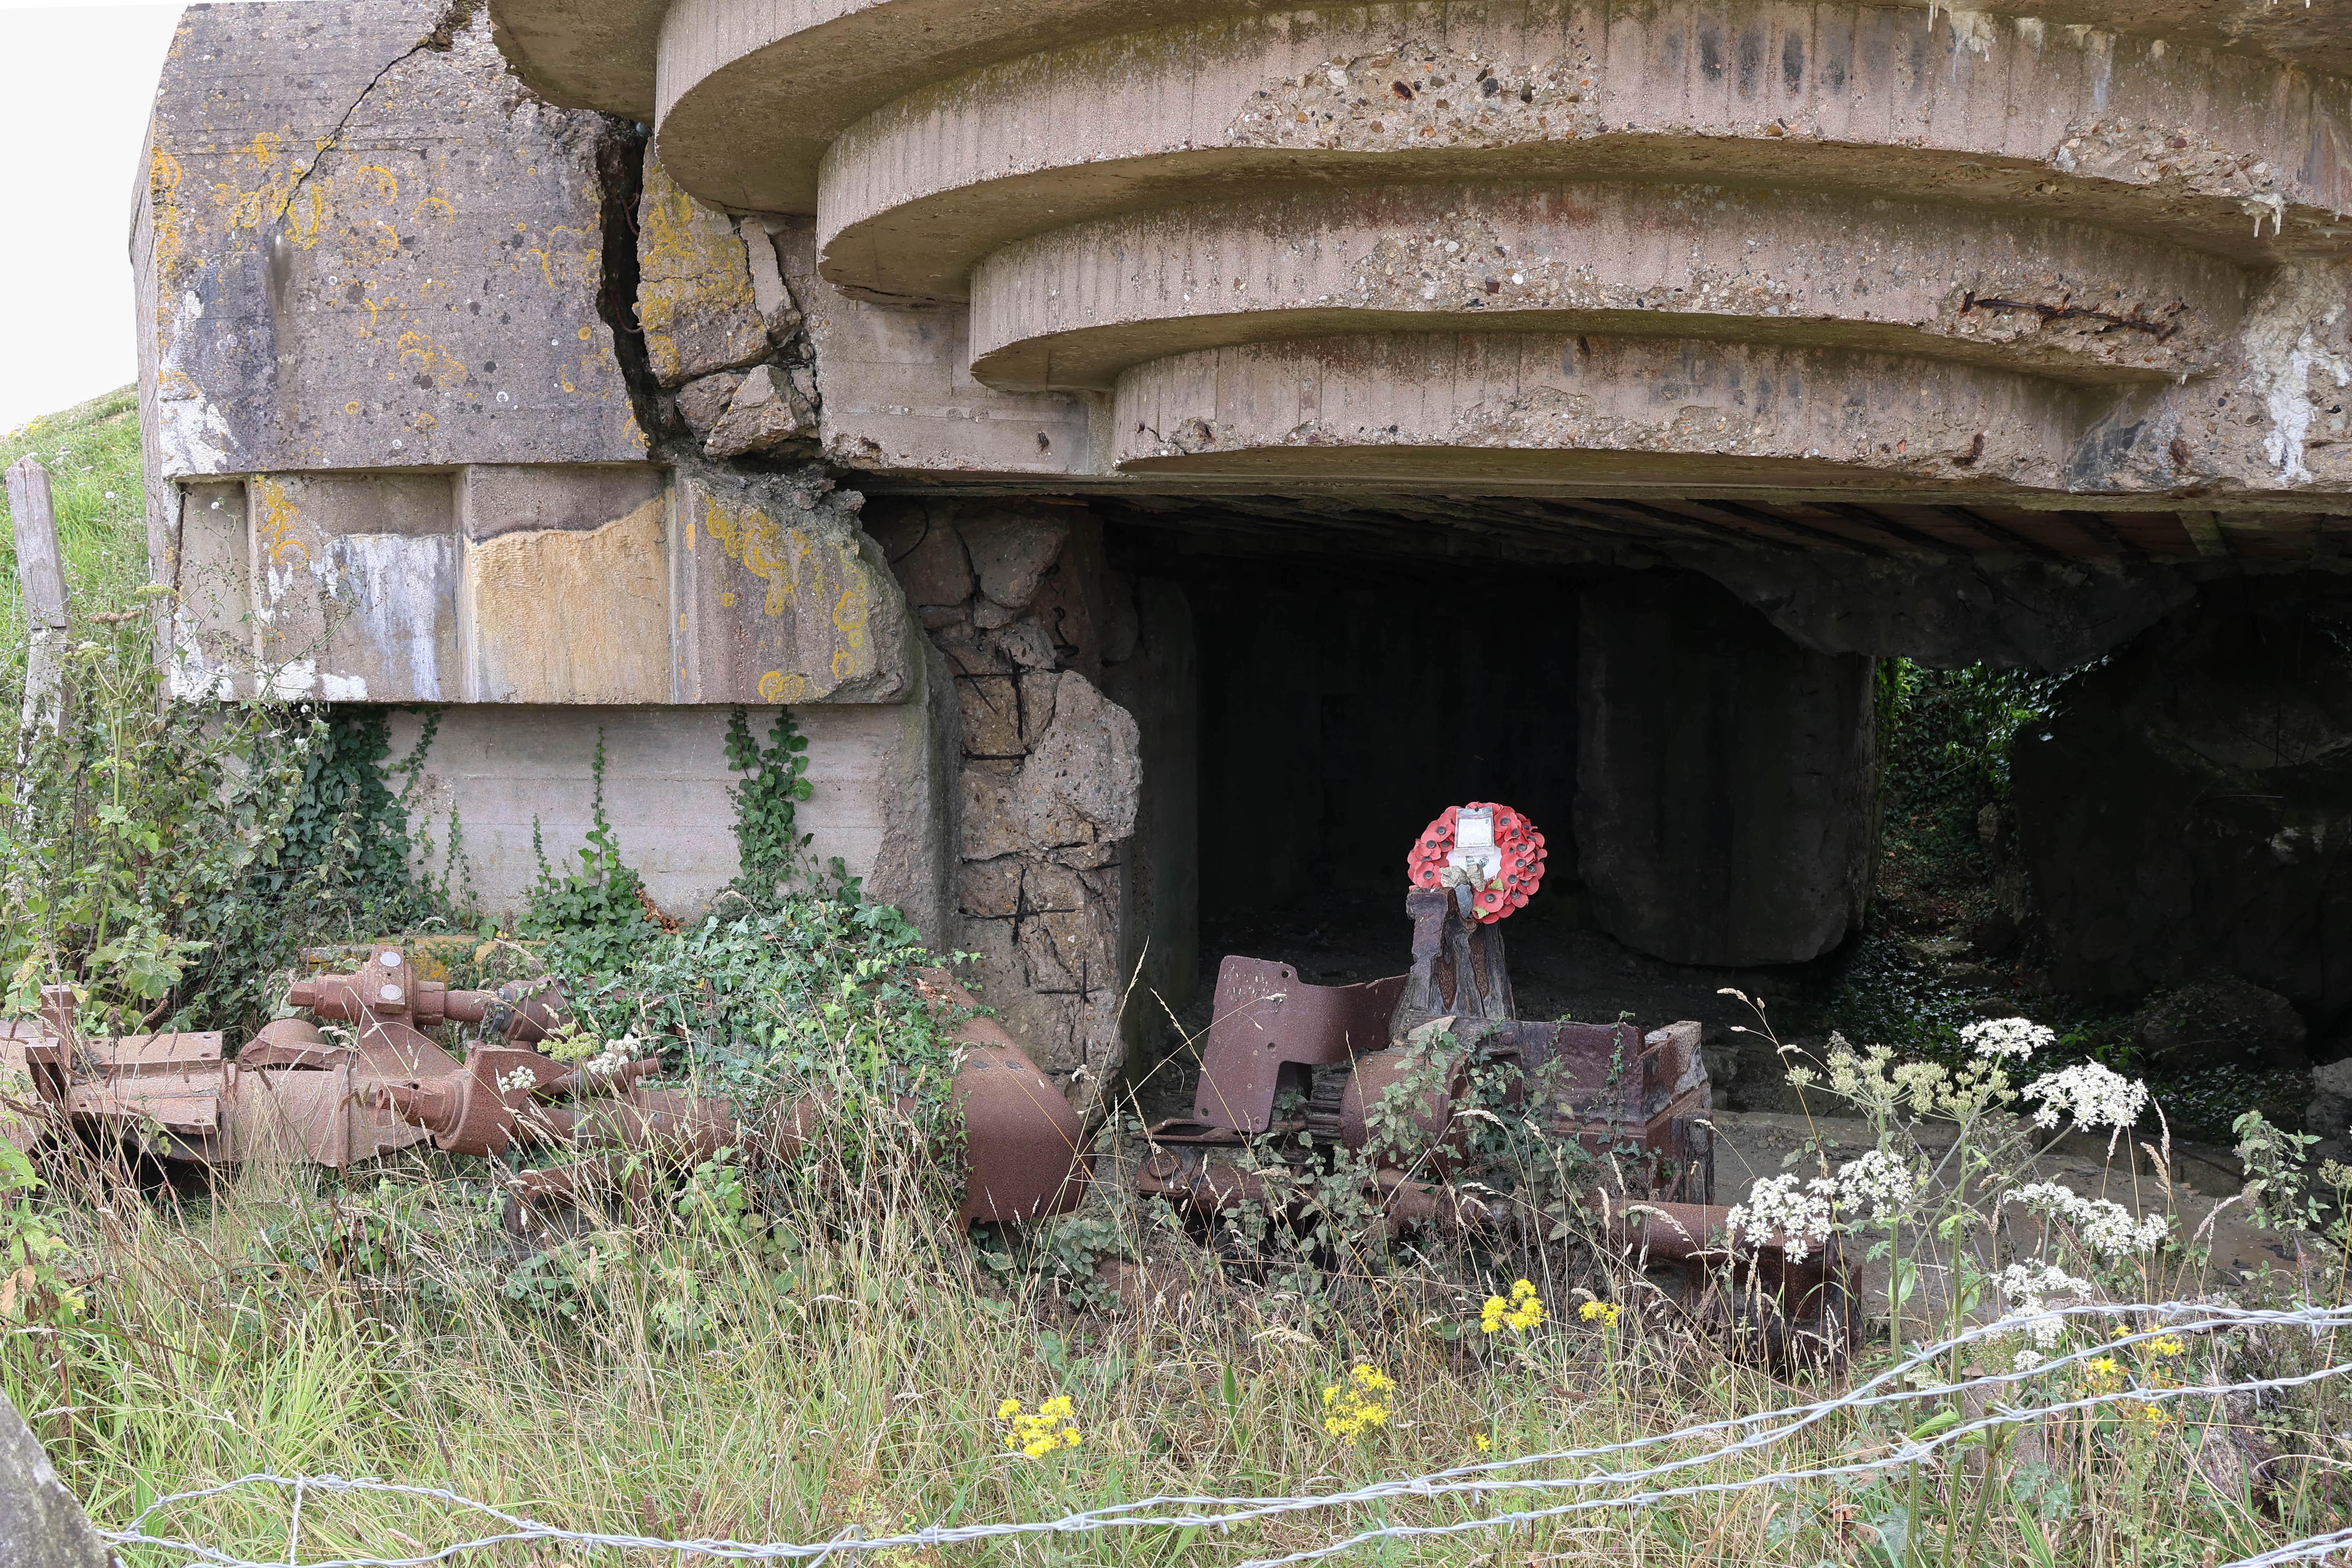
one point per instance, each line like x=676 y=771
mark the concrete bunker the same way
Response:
x=1479 y=453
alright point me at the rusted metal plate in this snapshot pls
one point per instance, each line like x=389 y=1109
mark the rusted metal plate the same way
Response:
x=1268 y=1026
x=1458 y=970
x=137 y=1056
x=394 y=1052
x=180 y=1103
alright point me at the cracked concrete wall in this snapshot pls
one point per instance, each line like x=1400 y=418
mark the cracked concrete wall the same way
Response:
x=347 y=264
x=410 y=443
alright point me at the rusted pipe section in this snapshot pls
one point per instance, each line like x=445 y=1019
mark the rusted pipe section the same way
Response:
x=1697 y=1238
x=523 y=1013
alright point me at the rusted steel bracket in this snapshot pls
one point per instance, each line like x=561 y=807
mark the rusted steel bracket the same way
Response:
x=1457 y=966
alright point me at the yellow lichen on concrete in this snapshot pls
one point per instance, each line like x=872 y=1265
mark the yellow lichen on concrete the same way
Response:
x=694 y=285
x=570 y=615
x=820 y=587
x=274 y=537
x=752 y=539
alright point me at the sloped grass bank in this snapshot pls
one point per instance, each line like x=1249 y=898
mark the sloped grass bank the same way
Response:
x=91 y=451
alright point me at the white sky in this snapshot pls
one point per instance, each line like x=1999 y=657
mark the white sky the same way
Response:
x=74 y=86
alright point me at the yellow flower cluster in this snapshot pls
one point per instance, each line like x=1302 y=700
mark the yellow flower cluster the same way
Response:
x=1604 y=1313
x=1054 y=1426
x=1522 y=1312
x=1358 y=1403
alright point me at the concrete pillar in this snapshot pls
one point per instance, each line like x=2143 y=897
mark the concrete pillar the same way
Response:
x=1725 y=783
x=1155 y=674
x=1035 y=629
x=2188 y=804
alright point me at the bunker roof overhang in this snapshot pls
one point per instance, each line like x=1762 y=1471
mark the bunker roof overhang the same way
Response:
x=1747 y=244
x=775 y=81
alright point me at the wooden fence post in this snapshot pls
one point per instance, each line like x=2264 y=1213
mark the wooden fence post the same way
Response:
x=40 y=573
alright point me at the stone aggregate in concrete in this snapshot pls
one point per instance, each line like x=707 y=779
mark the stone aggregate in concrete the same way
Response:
x=765 y=412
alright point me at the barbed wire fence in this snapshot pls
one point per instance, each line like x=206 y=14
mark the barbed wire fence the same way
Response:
x=1606 y=1490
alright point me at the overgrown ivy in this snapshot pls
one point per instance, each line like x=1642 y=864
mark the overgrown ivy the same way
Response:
x=794 y=986
x=1944 y=734
x=595 y=917
x=768 y=841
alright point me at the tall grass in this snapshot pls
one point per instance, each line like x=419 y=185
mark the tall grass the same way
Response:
x=687 y=1366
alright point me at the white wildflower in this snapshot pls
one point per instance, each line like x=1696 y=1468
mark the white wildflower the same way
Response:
x=1877 y=1183
x=2031 y=1285
x=1785 y=1209
x=515 y=1081
x=2092 y=1094
x=616 y=1054
x=2025 y=1361
x=2106 y=1228
x=2028 y=1289
x=2016 y=1038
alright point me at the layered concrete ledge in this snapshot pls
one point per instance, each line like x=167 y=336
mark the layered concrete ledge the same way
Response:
x=1072 y=308
x=1405 y=408
x=2094 y=250
x=756 y=89
x=1849 y=97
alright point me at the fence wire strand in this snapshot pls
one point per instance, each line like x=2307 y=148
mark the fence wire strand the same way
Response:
x=1733 y=1437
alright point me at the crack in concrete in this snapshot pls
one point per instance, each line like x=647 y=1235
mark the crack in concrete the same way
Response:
x=452 y=21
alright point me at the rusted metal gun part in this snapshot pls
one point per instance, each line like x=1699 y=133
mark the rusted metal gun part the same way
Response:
x=1025 y=1153
x=522 y=1013
x=1428 y=1086
x=1638 y=1100
x=1457 y=966
x=1023 y=1156
x=1694 y=1237
x=1396 y=1094
x=1207 y=1180
x=1631 y=1098
x=1268 y=1027
x=294 y=1092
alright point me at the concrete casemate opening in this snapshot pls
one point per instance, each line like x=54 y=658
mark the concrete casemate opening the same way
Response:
x=1341 y=696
